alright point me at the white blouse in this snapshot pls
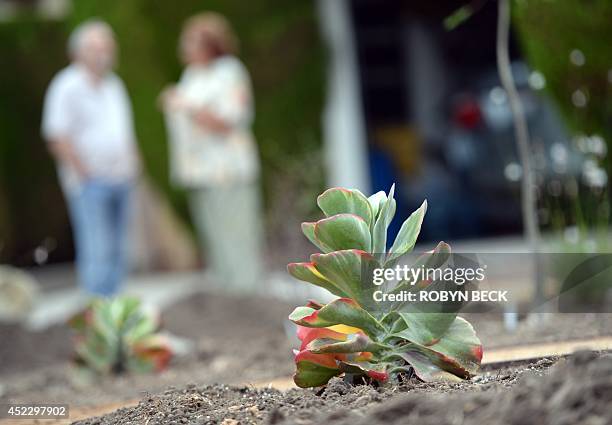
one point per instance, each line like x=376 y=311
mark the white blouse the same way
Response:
x=202 y=157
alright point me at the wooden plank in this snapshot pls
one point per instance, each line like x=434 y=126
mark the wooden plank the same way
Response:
x=490 y=358
x=547 y=349
x=76 y=413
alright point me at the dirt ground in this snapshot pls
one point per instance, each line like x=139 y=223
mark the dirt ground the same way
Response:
x=237 y=341
x=577 y=390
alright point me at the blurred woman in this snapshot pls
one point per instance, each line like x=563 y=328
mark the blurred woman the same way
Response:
x=213 y=153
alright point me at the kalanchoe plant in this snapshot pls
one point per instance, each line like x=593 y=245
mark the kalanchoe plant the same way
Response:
x=116 y=336
x=355 y=336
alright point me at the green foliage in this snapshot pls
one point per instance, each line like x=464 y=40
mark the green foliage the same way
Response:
x=32 y=52
x=549 y=31
x=458 y=17
x=116 y=336
x=550 y=34
x=356 y=335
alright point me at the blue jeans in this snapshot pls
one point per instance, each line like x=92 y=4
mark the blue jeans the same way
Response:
x=100 y=213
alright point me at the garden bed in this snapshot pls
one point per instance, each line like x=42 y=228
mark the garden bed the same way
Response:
x=237 y=341
x=566 y=391
x=226 y=331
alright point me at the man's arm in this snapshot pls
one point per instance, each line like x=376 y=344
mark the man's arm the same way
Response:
x=63 y=151
x=57 y=122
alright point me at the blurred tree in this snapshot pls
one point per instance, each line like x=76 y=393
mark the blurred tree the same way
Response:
x=31 y=207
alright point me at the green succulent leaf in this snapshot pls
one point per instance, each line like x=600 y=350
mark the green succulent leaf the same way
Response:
x=140 y=365
x=393 y=322
x=425 y=369
x=308 y=229
x=350 y=271
x=307 y=316
x=346 y=311
x=364 y=368
x=143 y=327
x=307 y=272
x=343 y=231
x=376 y=201
x=435 y=258
x=103 y=321
x=426 y=328
x=314 y=370
x=355 y=343
x=338 y=200
x=408 y=234
x=379 y=233
x=430 y=260
x=98 y=360
x=343 y=311
x=458 y=350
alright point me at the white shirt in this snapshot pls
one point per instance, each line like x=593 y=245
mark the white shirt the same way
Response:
x=200 y=157
x=97 y=119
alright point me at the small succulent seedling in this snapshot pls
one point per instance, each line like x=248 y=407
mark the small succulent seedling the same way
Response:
x=354 y=336
x=114 y=336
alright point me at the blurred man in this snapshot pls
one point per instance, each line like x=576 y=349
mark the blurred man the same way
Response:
x=87 y=122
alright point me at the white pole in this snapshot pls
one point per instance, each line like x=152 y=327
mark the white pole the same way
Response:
x=344 y=133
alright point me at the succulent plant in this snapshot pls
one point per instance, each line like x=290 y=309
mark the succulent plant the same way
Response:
x=355 y=336
x=114 y=336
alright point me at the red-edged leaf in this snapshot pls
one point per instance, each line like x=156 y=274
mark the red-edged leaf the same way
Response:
x=426 y=370
x=344 y=231
x=458 y=350
x=307 y=272
x=355 y=343
x=339 y=200
x=306 y=335
x=154 y=349
x=350 y=271
x=343 y=311
x=314 y=304
x=314 y=370
x=306 y=316
x=364 y=368
x=308 y=231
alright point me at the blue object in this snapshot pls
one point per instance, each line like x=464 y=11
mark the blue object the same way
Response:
x=99 y=213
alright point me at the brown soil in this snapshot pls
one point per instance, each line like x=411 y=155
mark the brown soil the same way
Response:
x=573 y=391
x=237 y=340
x=21 y=350
x=229 y=333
